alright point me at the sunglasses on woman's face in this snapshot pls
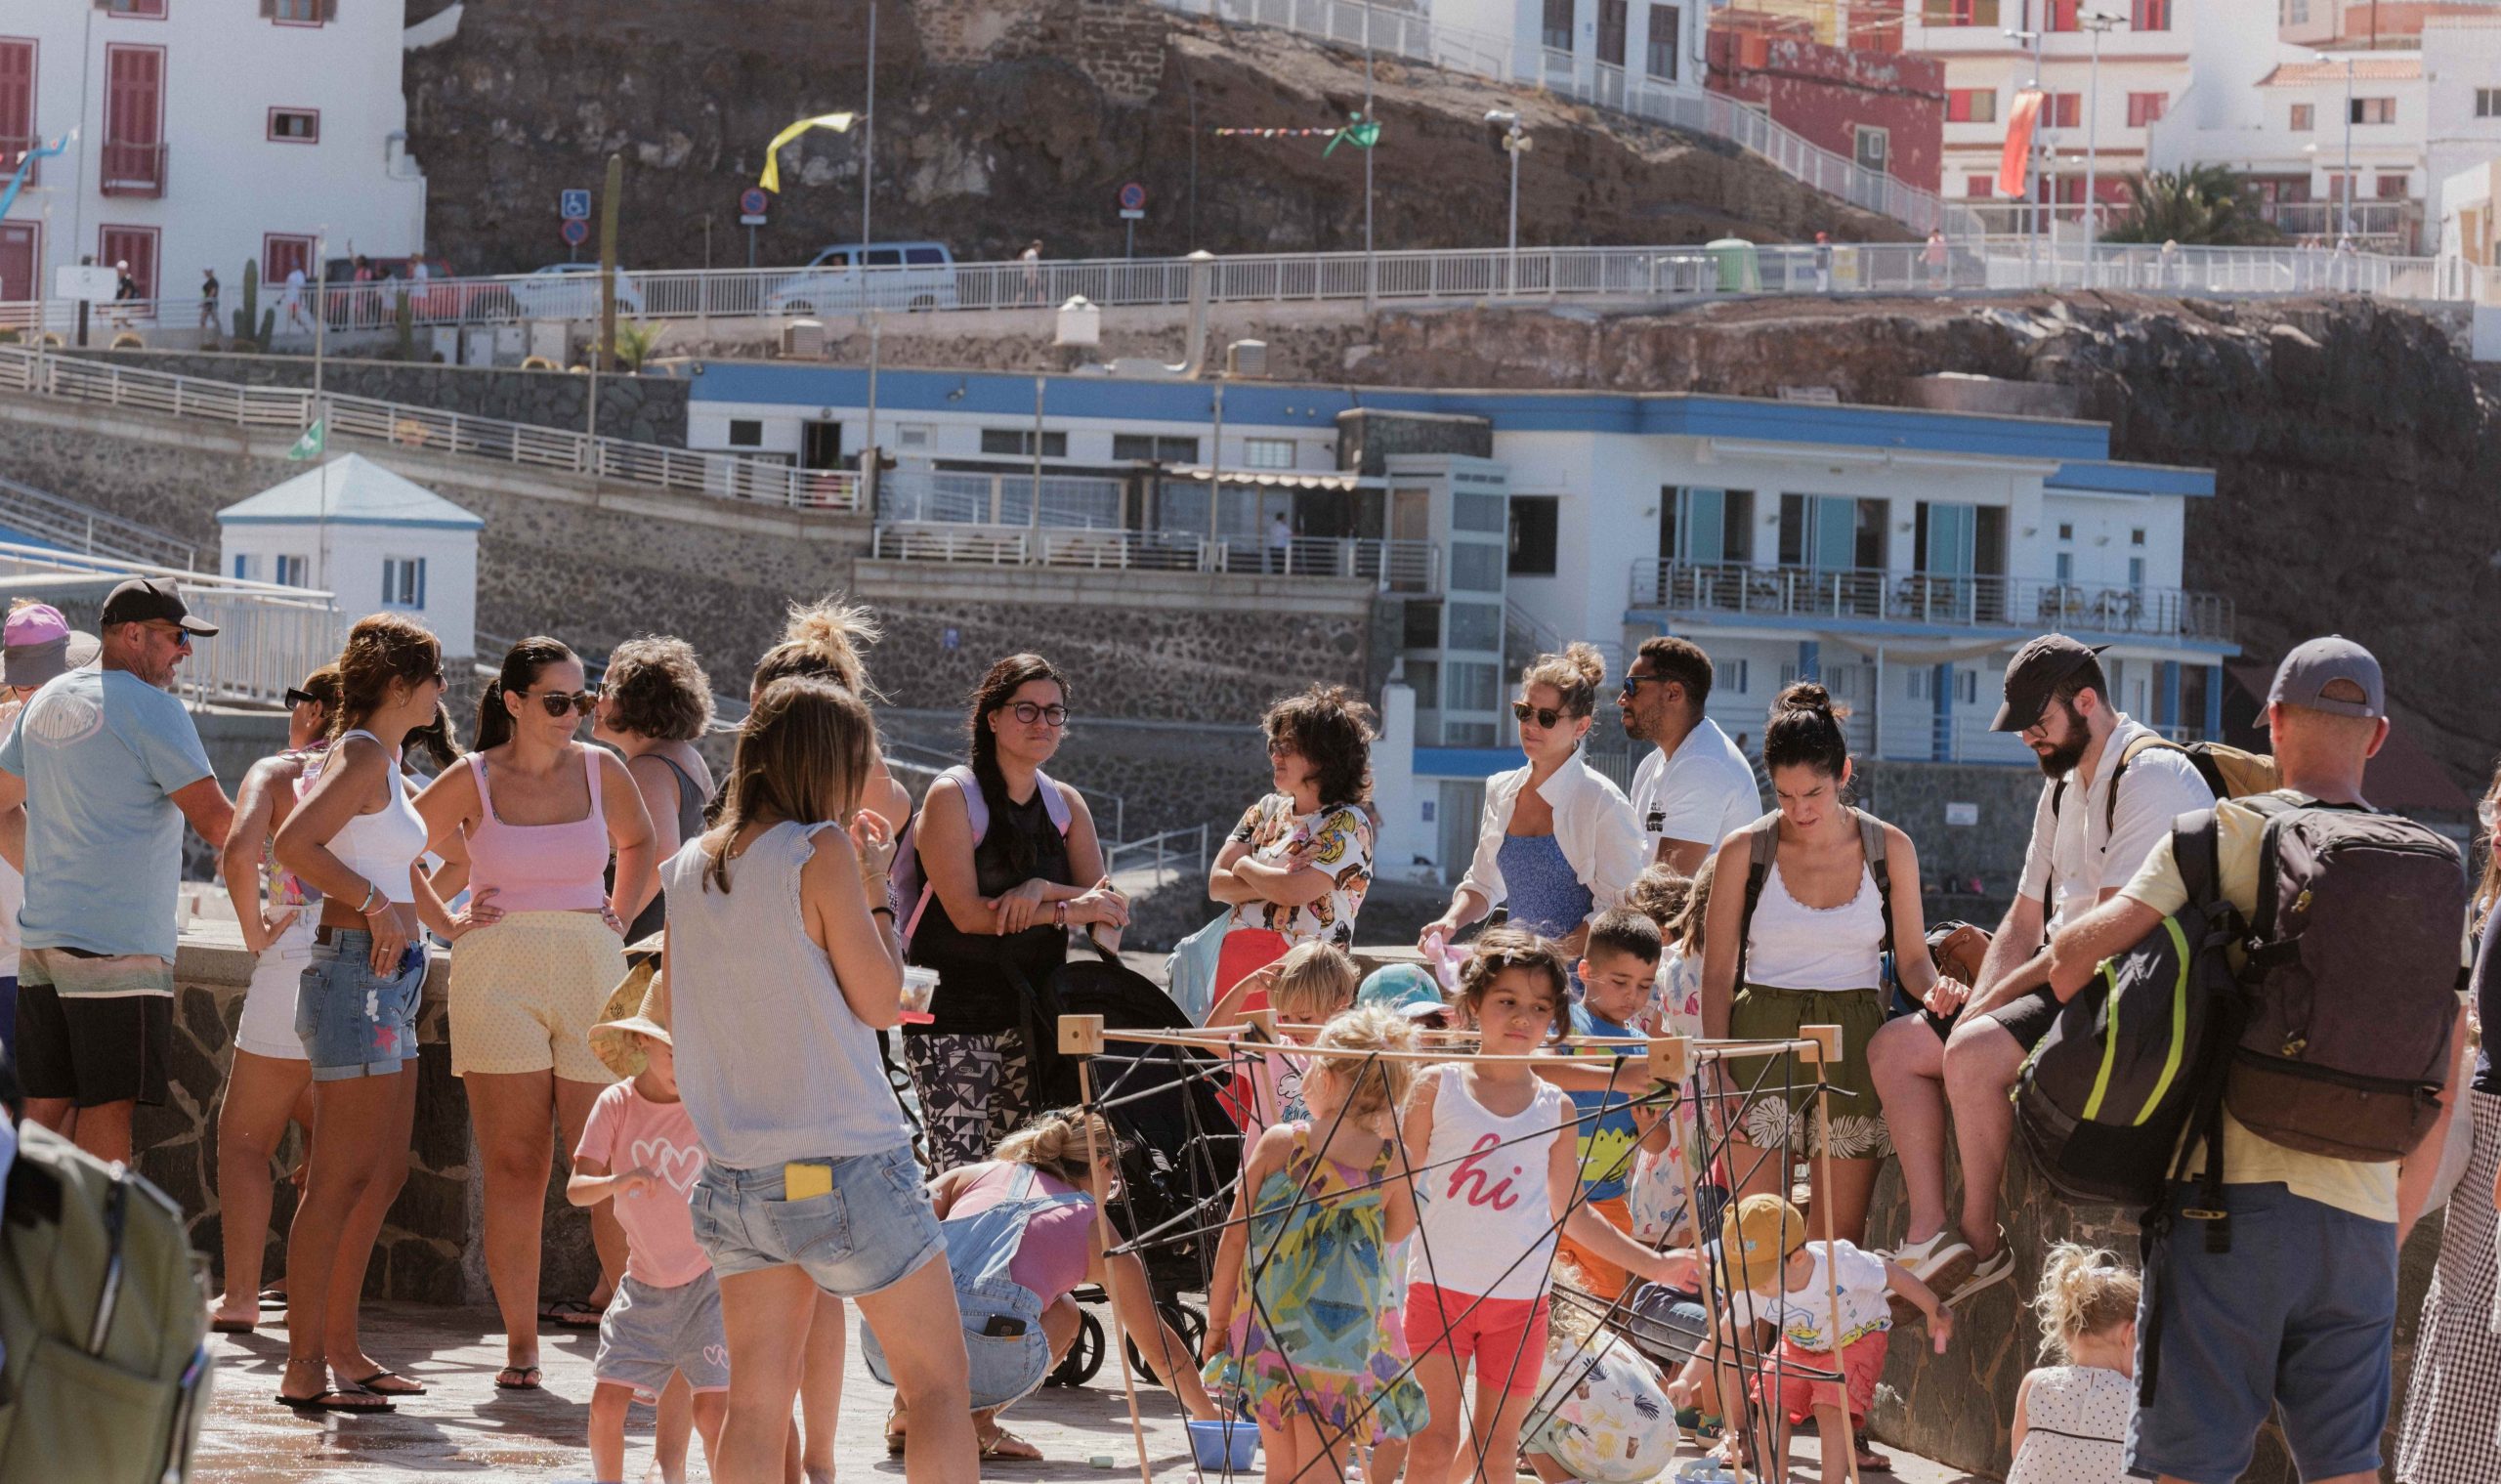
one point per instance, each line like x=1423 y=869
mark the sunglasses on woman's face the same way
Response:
x=1545 y=716
x=558 y=703
x=1028 y=712
x=296 y=697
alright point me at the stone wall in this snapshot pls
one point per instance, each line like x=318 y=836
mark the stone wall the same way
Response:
x=428 y=1253
x=1951 y=857
x=646 y=410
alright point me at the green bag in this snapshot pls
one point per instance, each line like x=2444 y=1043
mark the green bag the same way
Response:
x=107 y=1372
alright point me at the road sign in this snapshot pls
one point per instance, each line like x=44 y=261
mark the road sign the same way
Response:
x=1133 y=216
x=576 y=232
x=91 y=286
x=1132 y=198
x=753 y=202
x=573 y=205
x=756 y=220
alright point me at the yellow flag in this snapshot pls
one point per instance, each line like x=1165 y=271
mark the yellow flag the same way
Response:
x=771 y=180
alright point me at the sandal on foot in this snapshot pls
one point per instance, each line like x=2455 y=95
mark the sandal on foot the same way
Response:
x=399 y=1385
x=518 y=1378
x=272 y=1298
x=571 y=1313
x=1005 y=1446
x=234 y=1325
x=349 y=1400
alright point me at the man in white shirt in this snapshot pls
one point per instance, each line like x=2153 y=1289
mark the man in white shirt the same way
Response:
x=1696 y=789
x=2113 y=788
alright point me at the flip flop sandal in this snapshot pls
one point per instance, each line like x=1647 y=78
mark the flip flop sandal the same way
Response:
x=571 y=1314
x=529 y=1377
x=233 y=1327
x=335 y=1401
x=273 y=1299
x=995 y=1449
x=405 y=1386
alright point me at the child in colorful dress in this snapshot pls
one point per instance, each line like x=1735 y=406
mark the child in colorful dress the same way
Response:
x=2072 y=1420
x=1318 y=1205
x=1659 y=1199
x=639 y=1150
x=1311 y=982
x=1495 y=1140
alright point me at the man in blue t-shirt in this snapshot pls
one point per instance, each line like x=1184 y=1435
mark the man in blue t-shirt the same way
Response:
x=95 y=782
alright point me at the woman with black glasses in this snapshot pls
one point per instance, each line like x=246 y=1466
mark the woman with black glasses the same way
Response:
x=530 y=826
x=1558 y=844
x=1011 y=863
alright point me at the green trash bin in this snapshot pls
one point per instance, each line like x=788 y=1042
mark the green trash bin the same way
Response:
x=1740 y=267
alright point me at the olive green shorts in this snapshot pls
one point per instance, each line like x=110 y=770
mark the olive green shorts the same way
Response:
x=1778 y=1107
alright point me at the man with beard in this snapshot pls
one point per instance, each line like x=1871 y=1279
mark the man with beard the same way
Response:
x=96 y=781
x=2087 y=843
x=1695 y=789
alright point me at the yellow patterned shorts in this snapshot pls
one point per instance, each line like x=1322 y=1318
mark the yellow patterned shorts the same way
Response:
x=525 y=992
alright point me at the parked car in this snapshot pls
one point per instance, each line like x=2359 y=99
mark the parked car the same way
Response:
x=570 y=291
x=907 y=275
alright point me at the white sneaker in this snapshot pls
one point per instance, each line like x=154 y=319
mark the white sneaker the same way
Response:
x=1925 y=1259
x=1992 y=1270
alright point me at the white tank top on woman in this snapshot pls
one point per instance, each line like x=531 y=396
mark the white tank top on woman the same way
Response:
x=1486 y=1225
x=382 y=845
x=1797 y=947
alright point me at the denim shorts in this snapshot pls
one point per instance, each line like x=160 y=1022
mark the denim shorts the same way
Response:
x=649 y=1334
x=2300 y=1312
x=352 y=1021
x=867 y=1234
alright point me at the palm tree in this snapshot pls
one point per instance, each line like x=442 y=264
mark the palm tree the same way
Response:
x=636 y=342
x=2195 y=206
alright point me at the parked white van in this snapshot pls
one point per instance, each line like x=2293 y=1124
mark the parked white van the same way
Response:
x=906 y=275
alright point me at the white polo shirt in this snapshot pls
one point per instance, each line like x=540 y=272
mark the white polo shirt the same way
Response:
x=2078 y=852
x=1704 y=792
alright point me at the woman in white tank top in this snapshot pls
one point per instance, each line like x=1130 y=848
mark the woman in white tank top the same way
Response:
x=356 y=838
x=1812 y=955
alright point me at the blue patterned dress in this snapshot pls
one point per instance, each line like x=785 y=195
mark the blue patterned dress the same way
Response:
x=1315 y=1332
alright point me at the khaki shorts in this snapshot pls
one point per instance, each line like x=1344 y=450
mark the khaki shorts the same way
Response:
x=525 y=992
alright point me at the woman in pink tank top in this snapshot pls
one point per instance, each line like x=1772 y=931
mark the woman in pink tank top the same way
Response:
x=528 y=827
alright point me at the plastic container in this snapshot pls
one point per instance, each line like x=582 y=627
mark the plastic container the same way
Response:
x=1227 y=1443
x=918 y=984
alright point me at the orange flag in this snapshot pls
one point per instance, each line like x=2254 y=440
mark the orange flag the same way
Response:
x=2014 y=169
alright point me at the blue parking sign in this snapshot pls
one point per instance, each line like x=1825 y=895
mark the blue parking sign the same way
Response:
x=573 y=205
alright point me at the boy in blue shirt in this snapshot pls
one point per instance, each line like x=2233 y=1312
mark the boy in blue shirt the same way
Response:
x=1617 y=969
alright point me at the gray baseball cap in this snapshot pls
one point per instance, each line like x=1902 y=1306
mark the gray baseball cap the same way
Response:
x=2309 y=670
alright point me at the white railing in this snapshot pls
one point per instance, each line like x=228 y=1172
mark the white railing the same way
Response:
x=269 y=638
x=1174 y=855
x=1392 y=565
x=95 y=532
x=718 y=475
x=1926 y=598
x=988 y=498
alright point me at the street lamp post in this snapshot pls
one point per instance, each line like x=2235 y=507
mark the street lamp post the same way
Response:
x=2346 y=235
x=1514 y=143
x=2095 y=22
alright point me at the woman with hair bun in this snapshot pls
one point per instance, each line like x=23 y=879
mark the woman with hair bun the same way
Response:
x=1558 y=844
x=530 y=826
x=827 y=639
x=1809 y=951
x=356 y=838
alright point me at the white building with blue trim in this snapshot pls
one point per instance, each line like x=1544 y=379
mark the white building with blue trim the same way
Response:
x=376 y=541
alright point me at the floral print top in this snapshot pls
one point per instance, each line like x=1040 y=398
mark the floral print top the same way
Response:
x=1337 y=839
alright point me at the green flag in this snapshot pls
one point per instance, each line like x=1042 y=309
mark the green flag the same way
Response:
x=1363 y=134
x=310 y=446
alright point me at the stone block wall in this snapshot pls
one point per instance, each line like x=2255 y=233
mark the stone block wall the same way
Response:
x=1914 y=797
x=428 y=1252
x=646 y=410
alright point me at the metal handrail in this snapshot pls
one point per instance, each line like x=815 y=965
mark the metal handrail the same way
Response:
x=720 y=476
x=78 y=527
x=1928 y=598
x=269 y=636
x=1162 y=853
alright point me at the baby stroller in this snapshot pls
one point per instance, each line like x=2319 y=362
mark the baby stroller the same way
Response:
x=1184 y=1153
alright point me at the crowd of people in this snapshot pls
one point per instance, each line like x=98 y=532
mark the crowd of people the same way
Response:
x=700 y=989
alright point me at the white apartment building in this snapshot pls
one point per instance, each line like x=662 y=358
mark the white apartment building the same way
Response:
x=208 y=134
x=2312 y=128
x=2462 y=102
x=1605 y=45
x=2149 y=51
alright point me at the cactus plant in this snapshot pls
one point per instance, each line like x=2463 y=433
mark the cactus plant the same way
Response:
x=251 y=314
x=404 y=319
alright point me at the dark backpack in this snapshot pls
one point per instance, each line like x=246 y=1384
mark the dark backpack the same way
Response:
x=2102 y=1100
x=1763 y=846
x=2350 y=986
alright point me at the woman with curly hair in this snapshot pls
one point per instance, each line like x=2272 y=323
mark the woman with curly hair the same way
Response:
x=1297 y=868
x=654 y=702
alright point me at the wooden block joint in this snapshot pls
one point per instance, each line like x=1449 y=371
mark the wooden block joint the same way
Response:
x=1081 y=1035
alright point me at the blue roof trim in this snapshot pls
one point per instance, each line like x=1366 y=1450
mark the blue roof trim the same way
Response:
x=225 y=518
x=1267 y=405
x=1467 y=762
x=1870 y=628
x=2105 y=477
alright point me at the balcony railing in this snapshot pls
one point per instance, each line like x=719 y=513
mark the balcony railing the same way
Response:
x=131 y=168
x=268 y=637
x=1403 y=566
x=1740 y=589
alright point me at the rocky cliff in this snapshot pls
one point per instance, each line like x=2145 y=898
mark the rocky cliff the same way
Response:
x=999 y=121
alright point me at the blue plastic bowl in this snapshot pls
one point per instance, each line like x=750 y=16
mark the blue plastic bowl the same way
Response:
x=1227 y=1443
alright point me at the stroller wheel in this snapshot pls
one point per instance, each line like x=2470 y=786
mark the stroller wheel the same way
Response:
x=1084 y=1354
x=1186 y=1322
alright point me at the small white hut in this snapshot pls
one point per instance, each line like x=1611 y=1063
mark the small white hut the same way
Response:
x=378 y=541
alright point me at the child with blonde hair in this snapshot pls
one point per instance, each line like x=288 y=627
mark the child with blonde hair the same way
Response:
x=2072 y=1420
x=1318 y=1209
x=1310 y=984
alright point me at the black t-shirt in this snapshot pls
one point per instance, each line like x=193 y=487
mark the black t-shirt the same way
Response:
x=975 y=996
x=2486 y=985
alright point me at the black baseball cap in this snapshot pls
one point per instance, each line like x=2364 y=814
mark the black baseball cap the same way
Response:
x=2033 y=676
x=144 y=600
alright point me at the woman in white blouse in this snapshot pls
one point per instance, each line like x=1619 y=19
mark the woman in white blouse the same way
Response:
x=1558 y=844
